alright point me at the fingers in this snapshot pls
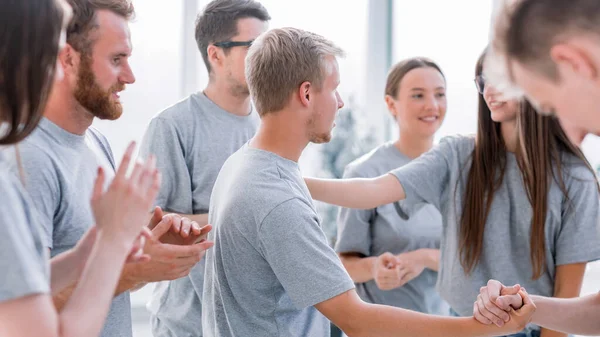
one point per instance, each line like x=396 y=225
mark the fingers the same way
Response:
x=508 y=301
x=493 y=289
x=487 y=313
x=203 y=234
x=125 y=162
x=478 y=316
x=196 y=229
x=512 y=290
x=178 y=251
x=146 y=233
x=138 y=170
x=146 y=178
x=491 y=306
x=387 y=260
x=176 y=226
x=99 y=184
x=163 y=226
x=186 y=226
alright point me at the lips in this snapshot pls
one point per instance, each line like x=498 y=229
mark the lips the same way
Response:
x=496 y=104
x=429 y=119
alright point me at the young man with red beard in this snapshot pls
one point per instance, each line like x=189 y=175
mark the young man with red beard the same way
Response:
x=61 y=158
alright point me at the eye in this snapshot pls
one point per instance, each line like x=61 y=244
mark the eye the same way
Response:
x=440 y=94
x=417 y=96
x=116 y=60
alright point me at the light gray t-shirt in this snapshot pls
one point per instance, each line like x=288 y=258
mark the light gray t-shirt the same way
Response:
x=60 y=171
x=191 y=140
x=24 y=266
x=271 y=262
x=572 y=230
x=376 y=231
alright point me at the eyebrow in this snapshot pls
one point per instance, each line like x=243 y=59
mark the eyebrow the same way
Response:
x=422 y=89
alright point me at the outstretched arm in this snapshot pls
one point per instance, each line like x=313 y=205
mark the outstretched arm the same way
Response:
x=363 y=193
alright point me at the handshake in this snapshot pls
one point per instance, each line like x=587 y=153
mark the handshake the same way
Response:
x=496 y=302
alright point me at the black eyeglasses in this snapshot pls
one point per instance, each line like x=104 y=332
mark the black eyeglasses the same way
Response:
x=480 y=83
x=231 y=44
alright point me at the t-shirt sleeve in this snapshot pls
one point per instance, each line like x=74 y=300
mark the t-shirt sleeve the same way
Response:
x=21 y=269
x=354 y=225
x=292 y=242
x=579 y=237
x=42 y=185
x=425 y=179
x=164 y=141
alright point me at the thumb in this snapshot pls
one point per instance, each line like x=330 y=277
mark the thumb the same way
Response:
x=162 y=227
x=505 y=302
x=513 y=290
x=388 y=260
x=157 y=216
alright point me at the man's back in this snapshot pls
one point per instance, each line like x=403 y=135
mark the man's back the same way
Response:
x=271 y=262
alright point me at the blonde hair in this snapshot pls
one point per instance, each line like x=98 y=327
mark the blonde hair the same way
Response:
x=282 y=59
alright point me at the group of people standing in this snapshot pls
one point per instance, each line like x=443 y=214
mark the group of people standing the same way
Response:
x=217 y=211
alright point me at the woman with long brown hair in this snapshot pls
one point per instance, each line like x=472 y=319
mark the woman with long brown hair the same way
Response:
x=519 y=204
x=394 y=261
x=31 y=32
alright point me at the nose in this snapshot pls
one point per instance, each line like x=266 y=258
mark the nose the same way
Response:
x=490 y=92
x=340 y=101
x=127 y=75
x=431 y=104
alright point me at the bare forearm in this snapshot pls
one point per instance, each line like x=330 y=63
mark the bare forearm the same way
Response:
x=65 y=269
x=384 y=321
x=361 y=193
x=359 y=268
x=580 y=316
x=86 y=310
x=430 y=258
x=125 y=283
x=567 y=284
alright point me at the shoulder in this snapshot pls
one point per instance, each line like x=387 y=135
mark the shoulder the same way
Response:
x=577 y=171
x=13 y=193
x=181 y=112
x=365 y=165
x=458 y=142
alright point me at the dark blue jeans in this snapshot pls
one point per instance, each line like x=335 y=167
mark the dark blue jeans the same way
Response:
x=528 y=332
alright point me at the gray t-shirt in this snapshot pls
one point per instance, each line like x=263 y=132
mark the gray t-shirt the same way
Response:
x=24 y=266
x=60 y=171
x=191 y=140
x=572 y=230
x=376 y=231
x=271 y=262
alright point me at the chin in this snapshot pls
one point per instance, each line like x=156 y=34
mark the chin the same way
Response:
x=500 y=116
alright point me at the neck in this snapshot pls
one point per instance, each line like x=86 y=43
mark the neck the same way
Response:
x=222 y=96
x=412 y=146
x=509 y=134
x=278 y=134
x=63 y=110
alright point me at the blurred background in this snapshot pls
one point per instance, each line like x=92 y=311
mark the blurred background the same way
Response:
x=374 y=33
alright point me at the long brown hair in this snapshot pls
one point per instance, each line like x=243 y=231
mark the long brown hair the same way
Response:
x=29 y=37
x=541 y=146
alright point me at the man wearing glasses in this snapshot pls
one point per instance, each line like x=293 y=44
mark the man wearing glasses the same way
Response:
x=193 y=138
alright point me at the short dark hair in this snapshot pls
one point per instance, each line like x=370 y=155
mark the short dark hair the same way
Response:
x=532 y=27
x=398 y=71
x=218 y=22
x=29 y=43
x=84 y=20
